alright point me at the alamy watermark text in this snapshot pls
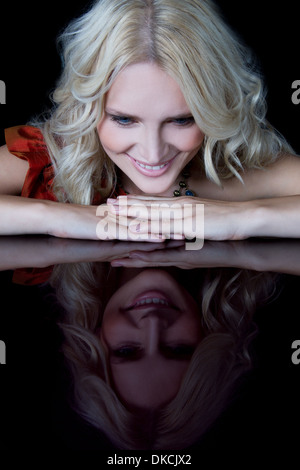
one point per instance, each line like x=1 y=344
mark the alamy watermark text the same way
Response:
x=145 y=222
x=2 y=352
x=2 y=92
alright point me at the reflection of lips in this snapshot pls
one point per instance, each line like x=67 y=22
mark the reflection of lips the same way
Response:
x=151 y=298
x=150 y=170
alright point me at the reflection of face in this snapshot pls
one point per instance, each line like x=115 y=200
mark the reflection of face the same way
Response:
x=148 y=130
x=150 y=328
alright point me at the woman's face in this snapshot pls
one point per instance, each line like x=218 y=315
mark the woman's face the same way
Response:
x=148 y=130
x=150 y=329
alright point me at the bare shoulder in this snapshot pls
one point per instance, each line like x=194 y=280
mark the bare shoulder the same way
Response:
x=281 y=178
x=12 y=172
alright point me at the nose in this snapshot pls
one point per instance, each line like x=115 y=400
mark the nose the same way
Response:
x=153 y=328
x=153 y=147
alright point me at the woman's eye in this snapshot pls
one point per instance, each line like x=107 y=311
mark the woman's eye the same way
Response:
x=127 y=352
x=179 y=352
x=122 y=120
x=185 y=121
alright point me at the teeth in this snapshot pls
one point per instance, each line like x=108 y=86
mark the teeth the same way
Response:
x=148 y=167
x=154 y=300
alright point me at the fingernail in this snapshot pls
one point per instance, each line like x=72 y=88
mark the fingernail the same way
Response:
x=112 y=201
x=117 y=264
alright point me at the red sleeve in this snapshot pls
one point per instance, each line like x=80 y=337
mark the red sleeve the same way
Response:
x=27 y=143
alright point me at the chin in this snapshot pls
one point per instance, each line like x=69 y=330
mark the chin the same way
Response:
x=156 y=189
x=162 y=193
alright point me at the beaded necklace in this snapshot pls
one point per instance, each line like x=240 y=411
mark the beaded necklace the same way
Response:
x=183 y=185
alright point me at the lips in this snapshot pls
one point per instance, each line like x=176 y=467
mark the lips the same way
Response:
x=151 y=170
x=148 y=299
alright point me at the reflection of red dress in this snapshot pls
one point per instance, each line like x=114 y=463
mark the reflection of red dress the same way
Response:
x=27 y=143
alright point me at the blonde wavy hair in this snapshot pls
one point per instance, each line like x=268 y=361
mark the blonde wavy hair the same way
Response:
x=190 y=41
x=227 y=300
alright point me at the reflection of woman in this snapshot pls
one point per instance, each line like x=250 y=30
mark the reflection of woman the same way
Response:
x=149 y=89
x=150 y=328
x=156 y=377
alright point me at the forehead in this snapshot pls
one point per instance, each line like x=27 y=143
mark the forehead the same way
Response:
x=146 y=87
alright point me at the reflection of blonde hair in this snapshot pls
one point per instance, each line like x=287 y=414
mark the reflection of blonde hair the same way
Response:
x=227 y=300
x=190 y=42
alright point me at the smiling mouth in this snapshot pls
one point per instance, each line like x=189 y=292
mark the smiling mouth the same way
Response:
x=151 y=299
x=148 y=302
x=151 y=170
x=149 y=167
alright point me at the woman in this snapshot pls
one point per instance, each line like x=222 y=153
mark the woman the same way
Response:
x=156 y=98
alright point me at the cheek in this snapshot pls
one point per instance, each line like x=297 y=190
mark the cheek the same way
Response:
x=195 y=139
x=112 y=329
x=112 y=139
x=188 y=141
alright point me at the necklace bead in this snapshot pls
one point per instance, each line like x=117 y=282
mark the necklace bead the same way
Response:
x=183 y=185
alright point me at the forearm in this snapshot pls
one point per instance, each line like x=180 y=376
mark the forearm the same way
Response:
x=269 y=255
x=40 y=252
x=21 y=216
x=272 y=217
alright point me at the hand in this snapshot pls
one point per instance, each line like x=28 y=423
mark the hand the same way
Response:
x=262 y=255
x=182 y=217
x=213 y=254
x=116 y=225
x=87 y=222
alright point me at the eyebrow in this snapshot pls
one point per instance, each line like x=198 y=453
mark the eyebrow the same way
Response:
x=114 y=112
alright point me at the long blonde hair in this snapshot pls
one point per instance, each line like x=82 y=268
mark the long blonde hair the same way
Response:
x=188 y=40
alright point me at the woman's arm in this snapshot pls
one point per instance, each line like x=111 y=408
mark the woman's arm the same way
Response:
x=20 y=216
x=269 y=255
x=223 y=220
x=12 y=172
x=41 y=252
x=266 y=205
x=270 y=217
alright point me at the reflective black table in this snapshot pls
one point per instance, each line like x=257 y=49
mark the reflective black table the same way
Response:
x=150 y=351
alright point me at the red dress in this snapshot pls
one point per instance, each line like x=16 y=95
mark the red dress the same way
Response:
x=27 y=143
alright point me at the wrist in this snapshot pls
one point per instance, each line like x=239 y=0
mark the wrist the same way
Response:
x=43 y=216
x=256 y=219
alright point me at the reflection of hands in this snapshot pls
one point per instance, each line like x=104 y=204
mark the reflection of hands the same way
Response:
x=273 y=255
x=276 y=255
x=40 y=252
